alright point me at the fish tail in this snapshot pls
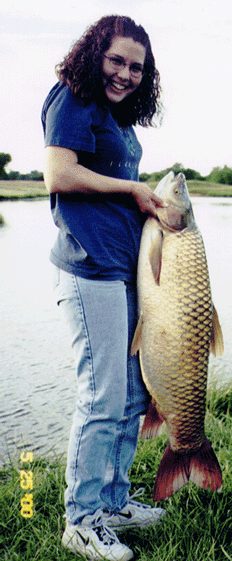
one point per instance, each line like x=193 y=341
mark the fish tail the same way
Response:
x=175 y=470
x=204 y=469
x=171 y=475
x=152 y=423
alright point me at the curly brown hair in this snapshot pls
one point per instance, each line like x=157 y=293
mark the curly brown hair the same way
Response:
x=81 y=70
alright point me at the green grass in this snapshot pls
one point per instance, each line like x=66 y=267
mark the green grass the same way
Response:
x=32 y=189
x=197 y=527
x=22 y=189
x=204 y=188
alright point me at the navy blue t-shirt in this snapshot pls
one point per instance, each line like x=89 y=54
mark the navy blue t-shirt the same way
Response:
x=99 y=234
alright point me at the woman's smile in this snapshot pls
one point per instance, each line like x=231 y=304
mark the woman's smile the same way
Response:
x=118 y=86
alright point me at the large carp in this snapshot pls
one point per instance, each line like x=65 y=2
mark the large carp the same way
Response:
x=177 y=328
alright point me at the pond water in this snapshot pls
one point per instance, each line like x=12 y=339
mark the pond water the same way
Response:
x=37 y=373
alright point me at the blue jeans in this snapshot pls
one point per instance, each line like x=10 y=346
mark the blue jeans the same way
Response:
x=101 y=316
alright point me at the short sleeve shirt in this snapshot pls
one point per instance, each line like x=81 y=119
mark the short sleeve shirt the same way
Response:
x=99 y=234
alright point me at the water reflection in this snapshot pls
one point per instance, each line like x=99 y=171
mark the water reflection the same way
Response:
x=37 y=372
x=214 y=218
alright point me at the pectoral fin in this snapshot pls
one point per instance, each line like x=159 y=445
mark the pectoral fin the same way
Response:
x=216 y=343
x=155 y=254
x=136 y=343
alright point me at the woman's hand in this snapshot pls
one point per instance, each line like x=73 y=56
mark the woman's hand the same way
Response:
x=146 y=199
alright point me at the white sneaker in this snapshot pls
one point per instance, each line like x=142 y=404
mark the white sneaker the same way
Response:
x=94 y=540
x=134 y=515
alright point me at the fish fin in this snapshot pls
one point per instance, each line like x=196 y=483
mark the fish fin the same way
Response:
x=155 y=254
x=204 y=468
x=216 y=343
x=171 y=475
x=152 y=423
x=175 y=470
x=135 y=346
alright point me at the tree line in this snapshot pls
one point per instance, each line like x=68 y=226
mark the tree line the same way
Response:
x=13 y=175
x=217 y=175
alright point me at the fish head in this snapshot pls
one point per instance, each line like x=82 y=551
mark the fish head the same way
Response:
x=174 y=191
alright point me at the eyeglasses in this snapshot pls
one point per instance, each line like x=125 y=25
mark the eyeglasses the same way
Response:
x=117 y=64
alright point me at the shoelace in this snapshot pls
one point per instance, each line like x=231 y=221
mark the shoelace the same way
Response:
x=138 y=493
x=105 y=534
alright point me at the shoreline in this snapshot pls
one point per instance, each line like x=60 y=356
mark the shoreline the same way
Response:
x=20 y=189
x=218 y=407
x=203 y=188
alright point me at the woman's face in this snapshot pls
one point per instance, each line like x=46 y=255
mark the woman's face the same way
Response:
x=122 y=67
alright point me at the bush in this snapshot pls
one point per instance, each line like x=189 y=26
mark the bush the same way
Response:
x=4 y=160
x=157 y=176
x=221 y=175
x=144 y=176
x=192 y=174
x=217 y=175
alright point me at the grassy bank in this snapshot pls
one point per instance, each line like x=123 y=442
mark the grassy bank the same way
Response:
x=31 y=189
x=204 y=188
x=197 y=526
x=13 y=190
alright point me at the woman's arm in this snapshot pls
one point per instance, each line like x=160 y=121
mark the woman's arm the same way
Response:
x=63 y=174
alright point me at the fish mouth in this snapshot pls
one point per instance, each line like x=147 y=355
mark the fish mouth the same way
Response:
x=174 y=190
x=174 y=218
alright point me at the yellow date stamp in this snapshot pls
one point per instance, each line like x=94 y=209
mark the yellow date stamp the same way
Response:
x=26 y=483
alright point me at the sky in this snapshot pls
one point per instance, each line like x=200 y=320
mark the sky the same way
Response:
x=191 y=42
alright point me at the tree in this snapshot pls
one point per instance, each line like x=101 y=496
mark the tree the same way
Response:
x=157 y=175
x=36 y=175
x=192 y=174
x=177 y=168
x=13 y=175
x=4 y=159
x=221 y=175
x=144 y=176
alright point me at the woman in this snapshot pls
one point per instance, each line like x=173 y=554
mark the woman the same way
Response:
x=107 y=83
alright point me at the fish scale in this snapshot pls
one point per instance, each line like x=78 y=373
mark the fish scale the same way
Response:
x=173 y=336
x=188 y=367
